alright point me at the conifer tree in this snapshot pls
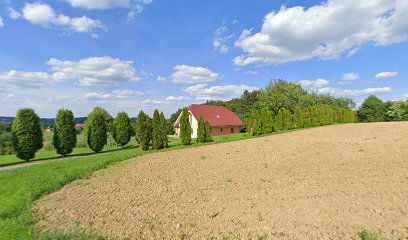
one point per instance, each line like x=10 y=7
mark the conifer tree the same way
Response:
x=208 y=137
x=144 y=130
x=287 y=119
x=266 y=117
x=279 y=120
x=122 y=130
x=164 y=127
x=65 y=137
x=27 y=136
x=185 y=127
x=201 y=130
x=157 y=141
x=96 y=130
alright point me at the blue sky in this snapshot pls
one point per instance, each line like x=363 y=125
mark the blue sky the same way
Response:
x=128 y=55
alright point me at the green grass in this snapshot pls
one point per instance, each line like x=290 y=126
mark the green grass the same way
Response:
x=365 y=235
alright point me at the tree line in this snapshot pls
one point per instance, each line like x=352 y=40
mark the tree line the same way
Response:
x=374 y=109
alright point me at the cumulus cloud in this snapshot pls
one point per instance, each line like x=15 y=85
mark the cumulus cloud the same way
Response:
x=177 y=99
x=116 y=94
x=44 y=15
x=353 y=93
x=13 y=13
x=1 y=22
x=161 y=79
x=314 y=84
x=382 y=75
x=296 y=33
x=135 y=6
x=190 y=74
x=92 y=71
x=346 y=78
x=201 y=92
x=220 y=39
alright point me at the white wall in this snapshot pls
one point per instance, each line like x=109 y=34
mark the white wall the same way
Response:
x=193 y=123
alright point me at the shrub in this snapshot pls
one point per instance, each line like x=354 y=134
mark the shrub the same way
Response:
x=144 y=130
x=201 y=130
x=159 y=131
x=208 y=137
x=96 y=130
x=65 y=137
x=185 y=128
x=27 y=135
x=122 y=130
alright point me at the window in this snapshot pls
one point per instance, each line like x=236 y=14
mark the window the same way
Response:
x=232 y=130
x=221 y=129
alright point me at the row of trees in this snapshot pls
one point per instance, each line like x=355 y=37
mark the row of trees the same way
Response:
x=374 y=109
x=266 y=121
x=203 y=131
x=27 y=135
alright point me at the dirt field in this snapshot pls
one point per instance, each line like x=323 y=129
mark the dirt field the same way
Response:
x=323 y=183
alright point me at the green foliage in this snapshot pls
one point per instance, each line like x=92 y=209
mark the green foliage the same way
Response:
x=6 y=143
x=365 y=235
x=397 y=111
x=144 y=130
x=298 y=118
x=165 y=126
x=372 y=110
x=159 y=130
x=27 y=135
x=254 y=124
x=122 y=131
x=96 y=129
x=207 y=128
x=65 y=137
x=185 y=128
x=266 y=120
x=201 y=130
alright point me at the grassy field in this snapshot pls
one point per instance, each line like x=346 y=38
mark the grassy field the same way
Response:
x=20 y=187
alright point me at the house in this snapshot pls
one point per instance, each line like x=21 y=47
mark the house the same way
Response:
x=222 y=120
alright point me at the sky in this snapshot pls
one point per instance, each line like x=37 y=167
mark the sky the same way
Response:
x=132 y=55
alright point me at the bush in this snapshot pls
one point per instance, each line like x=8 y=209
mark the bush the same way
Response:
x=65 y=137
x=122 y=130
x=96 y=130
x=185 y=127
x=27 y=135
x=144 y=130
x=201 y=130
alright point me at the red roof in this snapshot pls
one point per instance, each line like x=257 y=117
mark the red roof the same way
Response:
x=215 y=115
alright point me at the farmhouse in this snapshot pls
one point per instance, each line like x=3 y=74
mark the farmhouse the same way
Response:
x=222 y=120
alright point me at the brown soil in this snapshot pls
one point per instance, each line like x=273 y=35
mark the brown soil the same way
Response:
x=324 y=183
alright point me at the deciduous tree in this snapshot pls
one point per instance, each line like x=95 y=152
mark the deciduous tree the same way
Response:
x=122 y=129
x=65 y=137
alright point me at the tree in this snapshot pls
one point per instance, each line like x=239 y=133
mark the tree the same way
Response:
x=287 y=119
x=372 y=110
x=201 y=130
x=165 y=126
x=208 y=137
x=122 y=129
x=185 y=127
x=298 y=118
x=96 y=130
x=266 y=118
x=159 y=131
x=65 y=137
x=27 y=135
x=144 y=130
x=108 y=121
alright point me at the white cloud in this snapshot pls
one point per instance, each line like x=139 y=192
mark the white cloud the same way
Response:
x=252 y=72
x=352 y=93
x=177 y=99
x=43 y=15
x=161 y=79
x=13 y=13
x=314 y=84
x=1 y=22
x=324 y=31
x=92 y=71
x=221 y=38
x=154 y=102
x=382 y=75
x=190 y=74
x=201 y=92
x=135 y=6
x=116 y=94
x=346 y=78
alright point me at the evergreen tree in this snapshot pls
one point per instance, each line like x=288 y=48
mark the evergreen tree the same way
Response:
x=27 y=135
x=287 y=119
x=165 y=130
x=109 y=121
x=122 y=131
x=185 y=127
x=96 y=130
x=208 y=137
x=279 y=120
x=65 y=137
x=144 y=130
x=158 y=131
x=298 y=118
x=266 y=117
x=201 y=130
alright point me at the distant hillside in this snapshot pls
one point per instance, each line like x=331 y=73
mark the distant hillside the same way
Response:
x=50 y=121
